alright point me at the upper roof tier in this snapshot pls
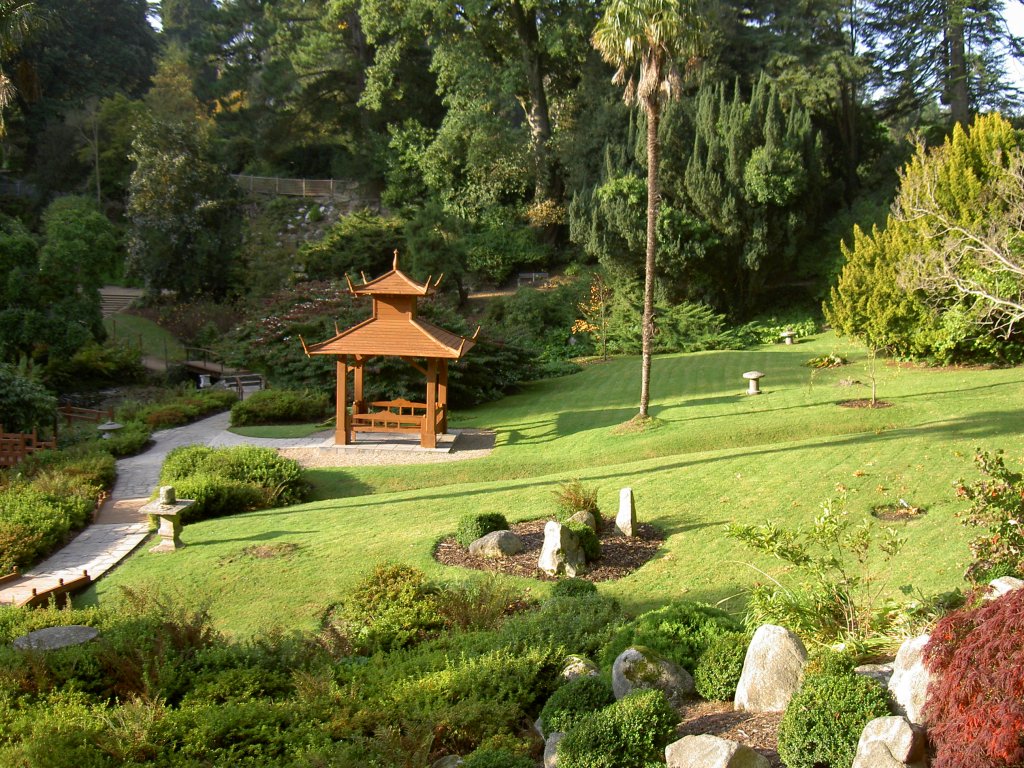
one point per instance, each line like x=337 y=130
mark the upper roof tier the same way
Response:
x=393 y=283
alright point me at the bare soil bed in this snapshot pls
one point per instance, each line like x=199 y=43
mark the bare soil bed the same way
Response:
x=620 y=555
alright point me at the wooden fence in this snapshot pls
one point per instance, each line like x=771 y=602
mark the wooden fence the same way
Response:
x=334 y=188
x=15 y=446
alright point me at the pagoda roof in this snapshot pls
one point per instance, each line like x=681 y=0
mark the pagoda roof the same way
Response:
x=393 y=283
x=400 y=336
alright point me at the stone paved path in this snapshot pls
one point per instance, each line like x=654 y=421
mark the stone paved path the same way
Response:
x=118 y=528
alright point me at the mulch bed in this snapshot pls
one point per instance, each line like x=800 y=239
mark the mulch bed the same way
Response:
x=864 y=403
x=620 y=555
x=759 y=731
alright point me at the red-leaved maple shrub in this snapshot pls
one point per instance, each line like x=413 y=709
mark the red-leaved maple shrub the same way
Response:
x=975 y=705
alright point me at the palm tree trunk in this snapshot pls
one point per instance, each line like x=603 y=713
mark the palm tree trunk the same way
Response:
x=653 y=198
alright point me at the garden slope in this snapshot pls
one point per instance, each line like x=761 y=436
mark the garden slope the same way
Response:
x=718 y=456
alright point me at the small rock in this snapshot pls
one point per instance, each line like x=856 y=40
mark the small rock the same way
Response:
x=561 y=552
x=585 y=517
x=708 y=751
x=773 y=670
x=879 y=672
x=448 y=761
x=538 y=727
x=891 y=742
x=637 y=667
x=497 y=544
x=578 y=666
x=910 y=676
x=625 y=520
x=1002 y=585
x=551 y=749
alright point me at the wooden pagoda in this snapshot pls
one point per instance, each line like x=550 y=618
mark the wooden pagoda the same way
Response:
x=393 y=330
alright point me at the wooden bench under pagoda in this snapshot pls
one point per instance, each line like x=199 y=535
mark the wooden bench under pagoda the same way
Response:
x=393 y=330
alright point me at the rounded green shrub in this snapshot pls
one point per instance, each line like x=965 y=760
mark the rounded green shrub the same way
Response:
x=279 y=406
x=679 y=631
x=496 y=758
x=824 y=720
x=216 y=496
x=631 y=733
x=573 y=588
x=473 y=526
x=574 y=701
x=719 y=667
x=589 y=542
x=128 y=440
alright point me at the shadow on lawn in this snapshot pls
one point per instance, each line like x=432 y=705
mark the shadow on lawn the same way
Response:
x=265 y=536
x=978 y=426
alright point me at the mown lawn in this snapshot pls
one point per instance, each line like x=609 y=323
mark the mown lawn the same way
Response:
x=716 y=456
x=137 y=331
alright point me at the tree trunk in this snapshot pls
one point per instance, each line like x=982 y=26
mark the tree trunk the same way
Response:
x=651 y=107
x=956 y=71
x=536 y=105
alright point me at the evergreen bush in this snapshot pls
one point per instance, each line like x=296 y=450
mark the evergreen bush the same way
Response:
x=680 y=631
x=573 y=588
x=718 y=669
x=496 y=758
x=824 y=719
x=589 y=542
x=474 y=525
x=574 y=701
x=631 y=733
x=279 y=406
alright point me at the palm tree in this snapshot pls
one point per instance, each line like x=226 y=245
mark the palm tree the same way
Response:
x=18 y=18
x=646 y=40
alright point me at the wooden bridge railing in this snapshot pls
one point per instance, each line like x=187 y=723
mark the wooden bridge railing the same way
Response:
x=342 y=189
x=70 y=414
x=16 y=446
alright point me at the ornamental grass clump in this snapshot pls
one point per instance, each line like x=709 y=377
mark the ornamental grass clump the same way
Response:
x=573 y=497
x=974 y=709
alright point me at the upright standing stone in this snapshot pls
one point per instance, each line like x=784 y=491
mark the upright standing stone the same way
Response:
x=773 y=670
x=910 y=677
x=625 y=521
x=561 y=552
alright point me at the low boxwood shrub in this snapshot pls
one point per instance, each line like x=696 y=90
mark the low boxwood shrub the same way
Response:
x=225 y=481
x=472 y=526
x=574 y=701
x=974 y=709
x=589 y=542
x=631 y=733
x=680 y=631
x=178 y=409
x=279 y=406
x=718 y=669
x=31 y=525
x=824 y=719
x=573 y=588
x=127 y=441
x=496 y=758
x=216 y=496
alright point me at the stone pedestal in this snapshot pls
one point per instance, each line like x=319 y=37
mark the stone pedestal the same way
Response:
x=167 y=508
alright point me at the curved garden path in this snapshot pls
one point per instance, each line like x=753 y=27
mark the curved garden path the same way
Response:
x=118 y=528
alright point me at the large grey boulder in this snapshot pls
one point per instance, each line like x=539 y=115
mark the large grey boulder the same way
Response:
x=638 y=667
x=497 y=544
x=561 y=552
x=1002 y=585
x=891 y=742
x=909 y=682
x=578 y=666
x=708 y=751
x=772 y=670
x=625 y=520
x=551 y=749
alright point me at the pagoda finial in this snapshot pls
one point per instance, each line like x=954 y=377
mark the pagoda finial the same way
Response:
x=395 y=265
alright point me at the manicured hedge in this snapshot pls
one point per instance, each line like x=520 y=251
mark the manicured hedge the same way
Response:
x=280 y=406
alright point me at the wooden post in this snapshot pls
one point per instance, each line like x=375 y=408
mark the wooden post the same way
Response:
x=341 y=431
x=442 y=396
x=359 y=406
x=428 y=433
